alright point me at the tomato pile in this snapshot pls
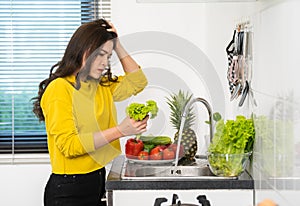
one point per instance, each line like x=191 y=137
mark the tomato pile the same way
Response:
x=136 y=149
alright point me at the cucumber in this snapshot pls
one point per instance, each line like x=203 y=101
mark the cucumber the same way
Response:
x=156 y=140
x=161 y=140
x=147 y=139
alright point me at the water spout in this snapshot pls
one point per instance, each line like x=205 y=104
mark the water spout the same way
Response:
x=184 y=114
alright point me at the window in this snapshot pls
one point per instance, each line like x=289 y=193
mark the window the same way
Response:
x=33 y=37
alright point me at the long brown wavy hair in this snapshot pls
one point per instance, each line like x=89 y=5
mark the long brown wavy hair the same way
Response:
x=86 y=39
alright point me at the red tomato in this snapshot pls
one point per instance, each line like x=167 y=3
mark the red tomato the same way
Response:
x=174 y=148
x=156 y=153
x=162 y=147
x=168 y=154
x=143 y=155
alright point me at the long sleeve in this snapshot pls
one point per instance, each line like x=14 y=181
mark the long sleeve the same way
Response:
x=130 y=84
x=61 y=127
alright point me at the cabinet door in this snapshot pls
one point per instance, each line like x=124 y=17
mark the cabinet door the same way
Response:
x=216 y=197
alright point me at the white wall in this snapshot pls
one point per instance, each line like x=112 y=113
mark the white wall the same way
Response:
x=208 y=27
x=23 y=184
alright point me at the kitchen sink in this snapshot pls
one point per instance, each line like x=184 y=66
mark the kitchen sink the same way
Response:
x=159 y=172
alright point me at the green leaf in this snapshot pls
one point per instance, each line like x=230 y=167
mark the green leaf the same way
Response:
x=139 y=111
x=217 y=116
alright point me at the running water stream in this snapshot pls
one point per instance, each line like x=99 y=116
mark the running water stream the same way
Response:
x=184 y=114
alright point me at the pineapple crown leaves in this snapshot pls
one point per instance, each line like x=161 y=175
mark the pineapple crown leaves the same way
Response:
x=177 y=103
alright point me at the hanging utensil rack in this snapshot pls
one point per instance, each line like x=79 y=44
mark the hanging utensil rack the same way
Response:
x=240 y=58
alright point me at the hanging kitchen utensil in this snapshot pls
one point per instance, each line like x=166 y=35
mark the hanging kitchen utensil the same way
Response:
x=241 y=63
x=240 y=43
x=247 y=74
x=251 y=95
x=244 y=94
x=232 y=74
x=249 y=56
x=230 y=50
x=237 y=90
x=234 y=71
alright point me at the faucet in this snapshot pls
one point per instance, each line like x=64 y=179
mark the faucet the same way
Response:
x=184 y=115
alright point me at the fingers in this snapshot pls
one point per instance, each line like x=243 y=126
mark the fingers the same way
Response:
x=141 y=126
x=146 y=118
x=112 y=29
x=130 y=127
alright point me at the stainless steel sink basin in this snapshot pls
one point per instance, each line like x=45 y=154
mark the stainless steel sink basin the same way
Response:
x=180 y=171
x=159 y=172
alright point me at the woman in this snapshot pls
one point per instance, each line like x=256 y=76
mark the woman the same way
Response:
x=77 y=104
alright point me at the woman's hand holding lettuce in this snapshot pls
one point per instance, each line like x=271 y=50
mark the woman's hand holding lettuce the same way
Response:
x=138 y=111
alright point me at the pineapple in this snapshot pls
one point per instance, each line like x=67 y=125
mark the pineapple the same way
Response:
x=177 y=104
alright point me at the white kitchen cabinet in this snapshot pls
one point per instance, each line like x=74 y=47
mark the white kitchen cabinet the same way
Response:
x=216 y=197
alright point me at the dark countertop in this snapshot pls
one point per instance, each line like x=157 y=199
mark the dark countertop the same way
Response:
x=114 y=181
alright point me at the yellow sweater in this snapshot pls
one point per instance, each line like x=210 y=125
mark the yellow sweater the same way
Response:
x=72 y=116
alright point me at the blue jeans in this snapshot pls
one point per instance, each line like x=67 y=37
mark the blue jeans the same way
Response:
x=75 y=190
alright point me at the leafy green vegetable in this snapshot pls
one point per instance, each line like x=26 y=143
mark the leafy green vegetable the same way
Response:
x=227 y=164
x=233 y=137
x=139 y=111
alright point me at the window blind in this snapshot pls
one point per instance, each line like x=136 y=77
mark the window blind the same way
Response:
x=33 y=37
